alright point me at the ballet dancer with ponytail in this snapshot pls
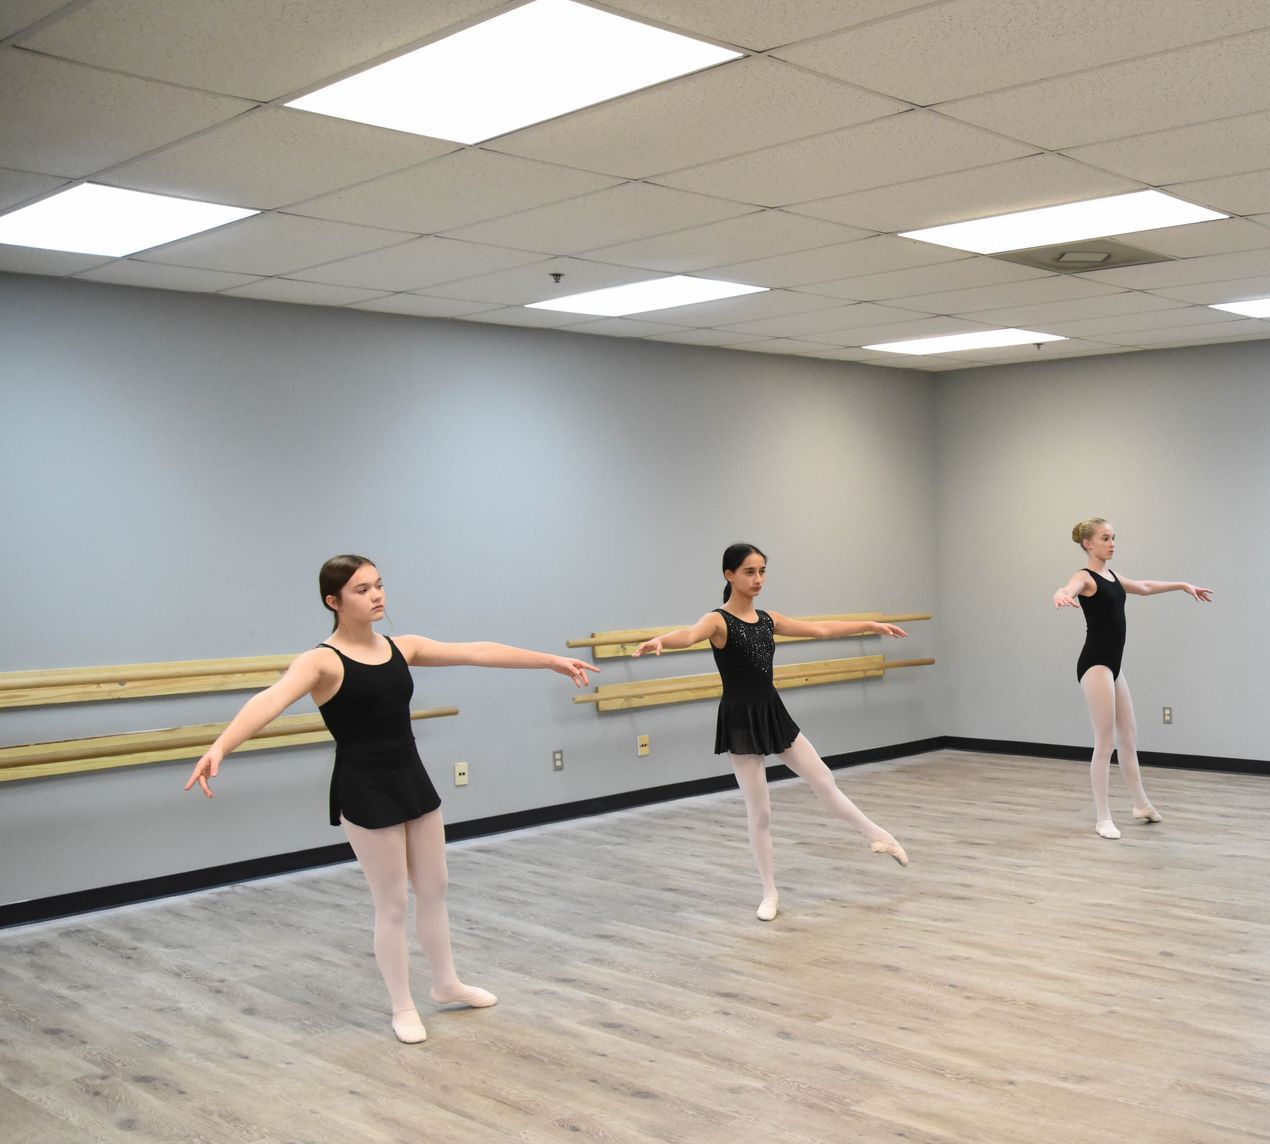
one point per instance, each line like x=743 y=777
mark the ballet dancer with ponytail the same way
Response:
x=380 y=793
x=1100 y=594
x=752 y=720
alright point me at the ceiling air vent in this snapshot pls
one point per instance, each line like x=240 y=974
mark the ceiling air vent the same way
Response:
x=1082 y=257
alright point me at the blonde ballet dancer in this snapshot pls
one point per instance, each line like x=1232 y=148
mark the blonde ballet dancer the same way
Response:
x=380 y=793
x=1100 y=594
x=752 y=720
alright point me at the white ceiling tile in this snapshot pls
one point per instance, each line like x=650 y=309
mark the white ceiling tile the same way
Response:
x=270 y=244
x=957 y=274
x=911 y=145
x=1053 y=289
x=1073 y=347
x=943 y=51
x=917 y=327
x=1202 y=151
x=1186 y=271
x=842 y=260
x=704 y=337
x=1245 y=329
x=260 y=49
x=416 y=264
x=532 y=282
x=1226 y=290
x=761 y=24
x=1221 y=236
x=1210 y=81
x=1016 y=185
x=421 y=306
x=833 y=320
x=625 y=328
x=726 y=311
x=466 y=187
x=777 y=346
x=1150 y=320
x=1075 y=309
x=274 y=156
x=750 y=236
x=302 y=293
x=1245 y=194
x=155 y=276
x=63 y=119
x=20 y=186
x=18 y=14
x=620 y=214
x=55 y=263
x=519 y=316
x=738 y=107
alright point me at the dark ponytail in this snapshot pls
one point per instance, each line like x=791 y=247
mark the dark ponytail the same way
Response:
x=733 y=557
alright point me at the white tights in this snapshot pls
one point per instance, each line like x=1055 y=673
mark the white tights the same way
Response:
x=802 y=759
x=393 y=858
x=1111 y=712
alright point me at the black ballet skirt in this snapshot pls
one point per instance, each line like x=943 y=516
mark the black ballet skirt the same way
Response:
x=752 y=719
x=1104 y=626
x=378 y=779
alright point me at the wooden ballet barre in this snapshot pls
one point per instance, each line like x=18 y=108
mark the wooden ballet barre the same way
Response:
x=610 y=645
x=104 y=752
x=138 y=680
x=688 y=688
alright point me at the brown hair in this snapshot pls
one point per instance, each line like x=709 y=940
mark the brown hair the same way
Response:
x=733 y=557
x=334 y=574
x=1086 y=528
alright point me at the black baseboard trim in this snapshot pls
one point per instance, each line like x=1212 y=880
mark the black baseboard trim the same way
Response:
x=1081 y=754
x=191 y=881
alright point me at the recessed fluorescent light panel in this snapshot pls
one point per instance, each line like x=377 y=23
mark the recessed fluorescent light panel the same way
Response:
x=533 y=63
x=640 y=297
x=92 y=219
x=954 y=343
x=1252 y=308
x=1070 y=222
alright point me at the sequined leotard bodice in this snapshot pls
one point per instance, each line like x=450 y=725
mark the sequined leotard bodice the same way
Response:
x=752 y=719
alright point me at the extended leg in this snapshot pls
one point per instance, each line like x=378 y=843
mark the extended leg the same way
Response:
x=425 y=858
x=1100 y=696
x=751 y=777
x=382 y=857
x=1127 y=752
x=801 y=758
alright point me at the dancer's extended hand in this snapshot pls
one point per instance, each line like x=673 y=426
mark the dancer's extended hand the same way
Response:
x=653 y=645
x=1064 y=599
x=890 y=630
x=207 y=767
x=575 y=669
x=1205 y=594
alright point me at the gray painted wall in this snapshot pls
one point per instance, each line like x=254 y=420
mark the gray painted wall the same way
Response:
x=1174 y=448
x=176 y=467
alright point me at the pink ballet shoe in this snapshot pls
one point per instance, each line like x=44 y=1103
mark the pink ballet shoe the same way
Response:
x=1106 y=829
x=469 y=995
x=1148 y=812
x=893 y=848
x=408 y=1028
x=768 y=908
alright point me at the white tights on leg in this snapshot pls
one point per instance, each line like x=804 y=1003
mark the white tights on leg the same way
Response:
x=1111 y=713
x=392 y=859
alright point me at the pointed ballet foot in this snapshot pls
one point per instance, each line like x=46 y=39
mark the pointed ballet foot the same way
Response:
x=408 y=1028
x=469 y=995
x=768 y=908
x=1107 y=829
x=893 y=848
x=1149 y=813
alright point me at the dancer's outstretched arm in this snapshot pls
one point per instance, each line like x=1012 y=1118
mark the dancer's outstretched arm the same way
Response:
x=710 y=626
x=832 y=629
x=1078 y=585
x=423 y=652
x=1154 y=587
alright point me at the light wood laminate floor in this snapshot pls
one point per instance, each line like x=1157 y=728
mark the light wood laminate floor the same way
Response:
x=1023 y=981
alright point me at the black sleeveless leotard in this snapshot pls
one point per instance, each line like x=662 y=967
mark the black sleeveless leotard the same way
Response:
x=1104 y=626
x=752 y=718
x=378 y=779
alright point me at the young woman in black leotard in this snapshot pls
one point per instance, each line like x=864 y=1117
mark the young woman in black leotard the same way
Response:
x=752 y=720
x=380 y=793
x=1097 y=591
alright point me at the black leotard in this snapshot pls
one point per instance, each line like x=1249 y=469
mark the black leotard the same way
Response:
x=1104 y=626
x=378 y=779
x=752 y=718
